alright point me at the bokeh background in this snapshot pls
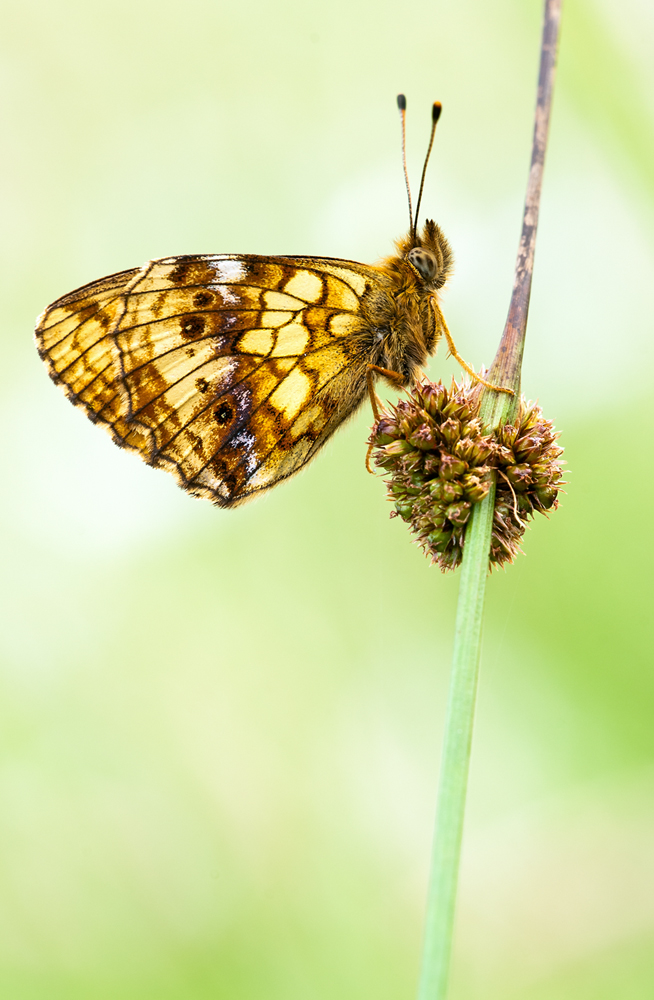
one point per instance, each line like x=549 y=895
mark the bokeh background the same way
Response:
x=220 y=731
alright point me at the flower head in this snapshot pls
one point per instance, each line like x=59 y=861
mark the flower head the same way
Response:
x=440 y=462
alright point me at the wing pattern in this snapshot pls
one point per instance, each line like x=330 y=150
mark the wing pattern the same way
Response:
x=228 y=371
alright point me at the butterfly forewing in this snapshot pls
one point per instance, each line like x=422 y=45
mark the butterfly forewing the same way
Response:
x=229 y=371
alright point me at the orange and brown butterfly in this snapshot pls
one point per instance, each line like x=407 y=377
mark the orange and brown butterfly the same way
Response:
x=231 y=371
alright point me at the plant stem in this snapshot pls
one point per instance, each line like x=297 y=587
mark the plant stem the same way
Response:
x=496 y=408
x=507 y=364
x=456 y=753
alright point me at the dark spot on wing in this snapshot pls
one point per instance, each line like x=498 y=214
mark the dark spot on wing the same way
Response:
x=223 y=414
x=192 y=327
x=181 y=271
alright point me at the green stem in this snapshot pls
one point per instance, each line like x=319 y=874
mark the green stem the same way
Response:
x=496 y=408
x=457 y=741
x=456 y=753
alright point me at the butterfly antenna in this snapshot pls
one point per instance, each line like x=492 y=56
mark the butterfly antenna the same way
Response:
x=401 y=103
x=435 y=115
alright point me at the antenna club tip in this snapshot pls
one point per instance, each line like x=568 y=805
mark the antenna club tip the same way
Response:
x=401 y=102
x=436 y=111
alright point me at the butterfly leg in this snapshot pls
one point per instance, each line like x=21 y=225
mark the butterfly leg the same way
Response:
x=368 y=454
x=374 y=398
x=440 y=320
x=391 y=375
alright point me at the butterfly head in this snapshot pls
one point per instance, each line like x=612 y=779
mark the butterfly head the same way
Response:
x=429 y=255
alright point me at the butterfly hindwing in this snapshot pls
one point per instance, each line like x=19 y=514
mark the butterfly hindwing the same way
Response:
x=229 y=371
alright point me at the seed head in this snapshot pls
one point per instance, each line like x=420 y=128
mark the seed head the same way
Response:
x=440 y=463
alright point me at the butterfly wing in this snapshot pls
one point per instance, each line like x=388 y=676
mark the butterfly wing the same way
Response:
x=228 y=371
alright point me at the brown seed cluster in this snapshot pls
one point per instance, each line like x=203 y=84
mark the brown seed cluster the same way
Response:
x=440 y=463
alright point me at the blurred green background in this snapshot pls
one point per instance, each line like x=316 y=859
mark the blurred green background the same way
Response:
x=220 y=731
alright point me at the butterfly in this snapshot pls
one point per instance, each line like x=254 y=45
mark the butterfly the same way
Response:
x=231 y=371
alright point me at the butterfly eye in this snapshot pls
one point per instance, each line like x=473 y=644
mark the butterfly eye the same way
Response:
x=424 y=262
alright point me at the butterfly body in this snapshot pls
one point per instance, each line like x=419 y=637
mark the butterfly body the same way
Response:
x=231 y=371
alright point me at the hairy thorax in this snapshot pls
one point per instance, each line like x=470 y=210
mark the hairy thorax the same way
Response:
x=399 y=312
